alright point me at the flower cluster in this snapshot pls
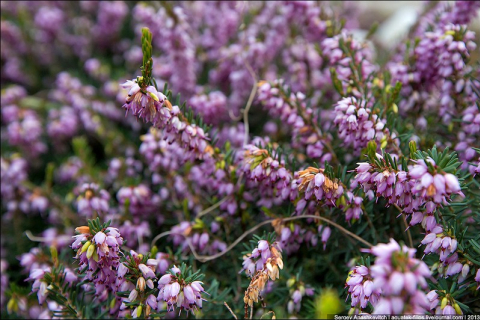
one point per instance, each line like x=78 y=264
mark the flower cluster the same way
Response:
x=293 y=235
x=447 y=306
x=343 y=50
x=361 y=288
x=239 y=118
x=154 y=107
x=418 y=192
x=264 y=262
x=297 y=291
x=292 y=110
x=265 y=253
x=97 y=250
x=91 y=199
x=212 y=107
x=24 y=130
x=399 y=275
x=445 y=245
x=313 y=181
x=139 y=200
x=356 y=123
x=180 y=291
x=268 y=172
x=135 y=278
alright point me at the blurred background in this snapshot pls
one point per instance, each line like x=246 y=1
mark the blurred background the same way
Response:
x=395 y=18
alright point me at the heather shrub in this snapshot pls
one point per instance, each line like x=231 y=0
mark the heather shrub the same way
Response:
x=231 y=159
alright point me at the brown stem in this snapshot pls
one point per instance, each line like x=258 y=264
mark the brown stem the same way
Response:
x=404 y=219
x=203 y=258
x=233 y=314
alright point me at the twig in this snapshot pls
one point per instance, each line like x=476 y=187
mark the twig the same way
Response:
x=249 y=102
x=263 y=315
x=254 y=88
x=226 y=305
x=31 y=237
x=409 y=235
x=233 y=116
x=202 y=258
x=161 y=235
x=211 y=208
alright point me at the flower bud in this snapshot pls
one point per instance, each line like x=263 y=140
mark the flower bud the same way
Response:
x=351 y=312
x=90 y=251
x=290 y=282
x=95 y=255
x=12 y=306
x=141 y=284
x=112 y=303
x=465 y=269
x=154 y=251
x=85 y=246
x=302 y=290
x=54 y=253
x=395 y=108
x=457 y=308
x=444 y=303
x=139 y=311
x=133 y=295
x=154 y=96
x=150 y=283
x=82 y=229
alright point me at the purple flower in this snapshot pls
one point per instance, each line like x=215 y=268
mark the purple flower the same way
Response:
x=265 y=258
x=313 y=181
x=477 y=278
x=98 y=256
x=212 y=107
x=39 y=284
x=399 y=275
x=146 y=103
x=267 y=174
x=4 y=281
x=141 y=199
x=91 y=199
x=326 y=232
x=356 y=125
x=185 y=296
x=361 y=287
x=146 y=271
x=273 y=97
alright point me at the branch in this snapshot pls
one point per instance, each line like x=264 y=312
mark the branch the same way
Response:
x=249 y=102
x=203 y=258
x=211 y=208
x=233 y=314
x=161 y=235
x=409 y=235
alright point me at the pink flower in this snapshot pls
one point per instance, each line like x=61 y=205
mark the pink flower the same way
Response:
x=146 y=271
x=399 y=275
